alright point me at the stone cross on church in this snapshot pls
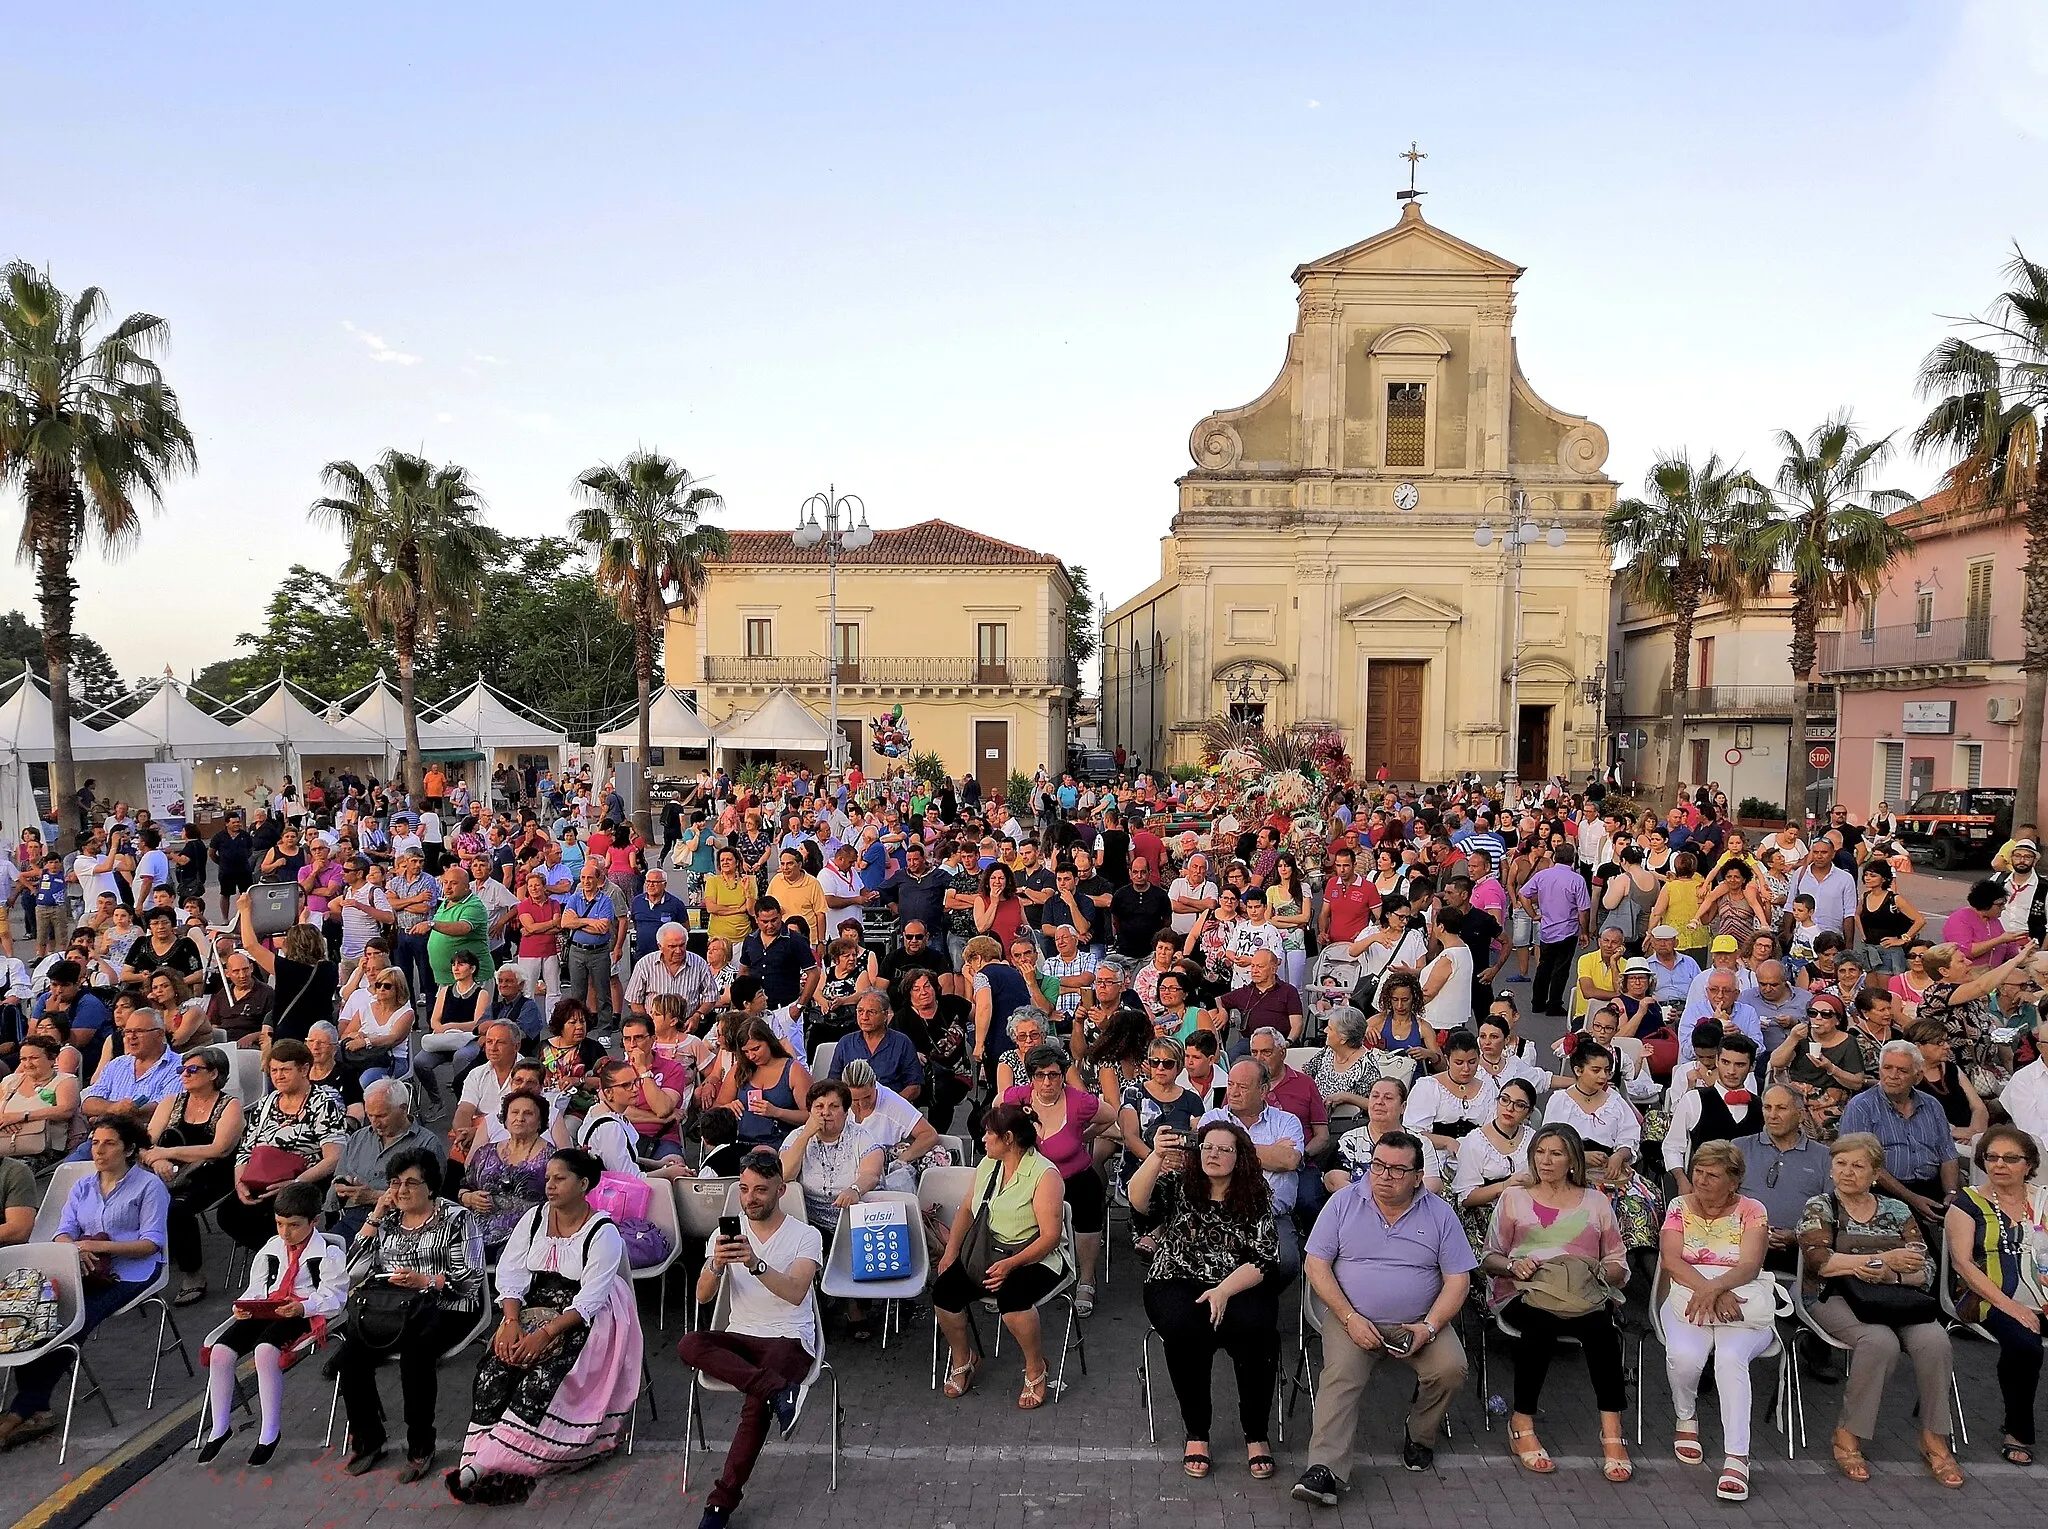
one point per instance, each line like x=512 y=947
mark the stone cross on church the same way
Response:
x=1324 y=540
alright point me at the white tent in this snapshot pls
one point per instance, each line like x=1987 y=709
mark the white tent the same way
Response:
x=779 y=725
x=179 y=730
x=379 y=720
x=489 y=726
x=304 y=733
x=672 y=724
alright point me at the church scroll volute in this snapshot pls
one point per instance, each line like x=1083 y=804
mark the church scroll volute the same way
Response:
x=1215 y=445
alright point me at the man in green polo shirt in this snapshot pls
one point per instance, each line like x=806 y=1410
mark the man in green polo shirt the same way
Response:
x=460 y=923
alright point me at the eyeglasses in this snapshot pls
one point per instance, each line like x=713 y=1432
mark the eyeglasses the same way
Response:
x=1170 y=1061
x=1390 y=1170
x=912 y=938
x=1507 y=1103
x=2005 y=1157
x=1771 y=1174
x=191 y=1067
x=1048 y=1075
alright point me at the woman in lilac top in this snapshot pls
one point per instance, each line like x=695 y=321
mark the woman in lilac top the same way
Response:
x=1069 y=1119
x=118 y=1217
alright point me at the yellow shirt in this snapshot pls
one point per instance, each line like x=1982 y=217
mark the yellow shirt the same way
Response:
x=1012 y=1218
x=725 y=906
x=1682 y=912
x=803 y=898
x=1594 y=965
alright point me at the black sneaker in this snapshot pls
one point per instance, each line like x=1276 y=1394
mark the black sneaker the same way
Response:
x=1417 y=1457
x=788 y=1406
x=1318 y=1486
x=714 y=1518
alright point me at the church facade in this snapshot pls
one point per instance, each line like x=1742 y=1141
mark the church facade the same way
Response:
x=1322 y=566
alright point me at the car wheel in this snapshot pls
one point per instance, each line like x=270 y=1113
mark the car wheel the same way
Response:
x=1944 y=854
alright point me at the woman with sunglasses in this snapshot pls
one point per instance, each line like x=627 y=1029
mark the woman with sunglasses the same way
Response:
x=1069 y=1120
x=1997 y=1244
x=194 y=1134
x=374 y=1035
x=1157 y=1099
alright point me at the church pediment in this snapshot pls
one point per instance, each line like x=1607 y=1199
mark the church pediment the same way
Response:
x=1404 y=608
x=1410 y=245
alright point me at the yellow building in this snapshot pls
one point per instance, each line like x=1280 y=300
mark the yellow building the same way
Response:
x=966 y=633
x=1322 y=565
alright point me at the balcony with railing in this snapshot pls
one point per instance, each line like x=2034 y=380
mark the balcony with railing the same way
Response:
x=963 y=673
x=1958 y=647
x=1747 y=702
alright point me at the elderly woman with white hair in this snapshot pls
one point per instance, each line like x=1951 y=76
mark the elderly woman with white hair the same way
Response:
x=1344 y=1069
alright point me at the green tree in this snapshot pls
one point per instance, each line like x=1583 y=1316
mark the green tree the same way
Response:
x=94 y=680
x=643 y=520
x=1691 y=538
x=417 y=551
x=1835 y=541
x=89 y=433
x=1991 y=390
x=1081 y=635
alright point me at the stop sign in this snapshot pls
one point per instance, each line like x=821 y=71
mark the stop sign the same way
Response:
x=1820 y=756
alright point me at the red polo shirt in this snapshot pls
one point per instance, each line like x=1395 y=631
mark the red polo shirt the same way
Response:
x=1351 y=906
x=1296 y=1093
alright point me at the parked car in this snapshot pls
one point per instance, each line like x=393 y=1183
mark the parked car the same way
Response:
x=1957 y=828
x=1097 y=767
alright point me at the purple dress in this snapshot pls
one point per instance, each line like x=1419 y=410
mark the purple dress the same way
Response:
x=514 y=1188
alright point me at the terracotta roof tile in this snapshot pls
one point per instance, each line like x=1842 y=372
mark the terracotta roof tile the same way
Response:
x=928 y=543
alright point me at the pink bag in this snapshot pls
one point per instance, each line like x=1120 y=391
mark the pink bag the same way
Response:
x=622 y=1196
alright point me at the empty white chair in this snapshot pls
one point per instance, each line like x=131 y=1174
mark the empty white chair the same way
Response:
x=661 y=1210
x=51 y=1212
x=245 y=1075
x=699 y=1204
x=821 y=1058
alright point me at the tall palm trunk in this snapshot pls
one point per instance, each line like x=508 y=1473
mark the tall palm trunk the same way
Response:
x=408 y=703
x=2034 y=662
x=51 y=511
x=643 y=675
x=1681 y=668
x=1805 y=620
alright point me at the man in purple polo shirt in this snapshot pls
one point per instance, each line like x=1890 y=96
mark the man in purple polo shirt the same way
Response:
x=1556 y=897
x=1392 y=1265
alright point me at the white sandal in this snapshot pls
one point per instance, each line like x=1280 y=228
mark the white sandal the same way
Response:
x=1734 y=1483
x=1084 y=1300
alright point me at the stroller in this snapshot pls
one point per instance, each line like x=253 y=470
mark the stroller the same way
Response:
x=1330 y=982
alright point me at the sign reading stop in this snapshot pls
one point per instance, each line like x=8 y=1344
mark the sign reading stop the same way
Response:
x=1820 y=756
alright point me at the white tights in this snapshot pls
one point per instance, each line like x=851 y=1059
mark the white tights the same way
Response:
x=220 y=1383
x=1686 y=1351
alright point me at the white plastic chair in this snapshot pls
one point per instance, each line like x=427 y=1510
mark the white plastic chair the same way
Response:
x=50 y=1214
x=699 y=1204
x=957 y=1145
x=1945 y=1292
x=821 y=1058
x=944 y=1190
x=693 y=1412
x=59 y=1261
x=1076 y=1338
x=838 y=1280
x=661 y=1210
x=792 y=1201
x=1298 y=1057
x=245 y=1075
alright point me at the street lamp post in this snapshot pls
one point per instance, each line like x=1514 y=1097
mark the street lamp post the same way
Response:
x=1522 y=529
x=840 y=521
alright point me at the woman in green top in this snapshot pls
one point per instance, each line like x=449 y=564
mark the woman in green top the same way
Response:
x=1026 y=1198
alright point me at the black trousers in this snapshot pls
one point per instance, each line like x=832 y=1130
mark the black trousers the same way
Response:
x=1537 y=1346
x=1552 y=992
x=419 y=1359
x=2019 y=1373
x=1250 y=1334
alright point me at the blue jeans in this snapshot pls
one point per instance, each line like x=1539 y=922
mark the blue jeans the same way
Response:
x=411 y=958
x=36 y=1381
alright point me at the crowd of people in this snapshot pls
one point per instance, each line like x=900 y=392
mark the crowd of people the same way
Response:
x=1285 y=1049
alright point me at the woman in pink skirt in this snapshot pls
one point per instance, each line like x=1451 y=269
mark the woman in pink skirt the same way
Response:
x=558 y=1385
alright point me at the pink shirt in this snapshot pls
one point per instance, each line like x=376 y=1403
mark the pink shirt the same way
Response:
x=1067 y=1148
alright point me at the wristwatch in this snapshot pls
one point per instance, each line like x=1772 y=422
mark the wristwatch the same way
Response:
x=756 y=1267
x=1432 y=1328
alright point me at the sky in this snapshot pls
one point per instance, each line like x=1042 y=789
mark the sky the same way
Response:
x=983 y=263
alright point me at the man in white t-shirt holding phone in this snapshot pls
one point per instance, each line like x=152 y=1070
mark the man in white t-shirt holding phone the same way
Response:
x=770 y=1338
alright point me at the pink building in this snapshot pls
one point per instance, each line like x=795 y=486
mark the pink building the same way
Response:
x=1927 y=671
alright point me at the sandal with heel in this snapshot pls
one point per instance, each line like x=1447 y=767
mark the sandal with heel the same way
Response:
x=960 y=1378
x=1537 y=1461
x=1197 y=1466
x=1685 y=1443
x=1032 y=1397
x=1616 y=1468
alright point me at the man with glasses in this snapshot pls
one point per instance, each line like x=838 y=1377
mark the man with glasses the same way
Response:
x=1073 y=967
x=132 y=1083
x=364 y=1172
x=1786 y=1168
x=918 y=953
x=1392 y=1265
x=364 y=909
x=654 y=908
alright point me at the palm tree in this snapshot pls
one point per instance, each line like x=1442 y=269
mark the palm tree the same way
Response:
x=1992 y=392
x=417 y=551
x=644 y=521
x=89 y=431
x=1836 y=543
x=1690 y=539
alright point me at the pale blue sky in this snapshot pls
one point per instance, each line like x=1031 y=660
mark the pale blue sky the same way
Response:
x=984 y=265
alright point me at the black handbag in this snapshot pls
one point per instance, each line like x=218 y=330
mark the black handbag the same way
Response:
x=979 y=1249
x=1879 y=1305
x=381 y=1314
